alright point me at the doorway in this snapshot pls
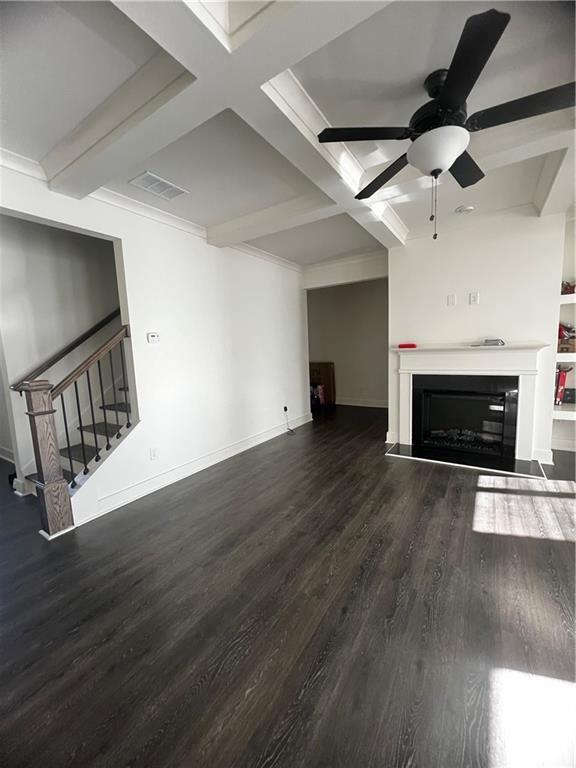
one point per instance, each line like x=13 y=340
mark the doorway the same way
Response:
x=348 y=345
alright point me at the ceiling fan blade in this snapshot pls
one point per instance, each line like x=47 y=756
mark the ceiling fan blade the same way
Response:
x=479 y=37
x=383 y=177
x=466 y=171
x=363 y=134
x=562 y=97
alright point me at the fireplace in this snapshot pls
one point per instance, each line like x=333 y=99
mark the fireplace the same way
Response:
x=465 y=419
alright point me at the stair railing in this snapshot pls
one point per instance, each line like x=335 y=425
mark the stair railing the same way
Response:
x=41 y=396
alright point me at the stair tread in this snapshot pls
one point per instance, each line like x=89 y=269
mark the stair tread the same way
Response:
x=34 y=477
x=100 y=429
x=75 y=452
x=120 y=407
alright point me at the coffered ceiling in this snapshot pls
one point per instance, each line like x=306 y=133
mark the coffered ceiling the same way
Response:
x=59 y=61
x=225 y=100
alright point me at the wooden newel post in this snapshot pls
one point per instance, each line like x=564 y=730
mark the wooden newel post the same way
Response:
x=56 y=509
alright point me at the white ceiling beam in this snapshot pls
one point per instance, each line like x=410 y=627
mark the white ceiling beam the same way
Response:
x=555 y=188
x=277 y=218
x=221 y=77
x=152 y=86
x=234 y=79
x=304 y=151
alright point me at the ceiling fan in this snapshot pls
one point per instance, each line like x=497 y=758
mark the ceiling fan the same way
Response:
x=440 y=129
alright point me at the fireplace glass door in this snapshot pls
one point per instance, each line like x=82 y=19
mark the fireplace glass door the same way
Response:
x=464 y=421
x=455 y=415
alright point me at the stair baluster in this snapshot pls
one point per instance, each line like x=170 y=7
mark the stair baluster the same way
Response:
x=81 y=427
x=118 y=433
x=97 y=457
x=108 y=446
x=63 y=404
x=125 y=385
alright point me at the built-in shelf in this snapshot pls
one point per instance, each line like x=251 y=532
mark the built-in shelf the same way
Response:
x=568 y=298
x=565 y=412
x=566 y=357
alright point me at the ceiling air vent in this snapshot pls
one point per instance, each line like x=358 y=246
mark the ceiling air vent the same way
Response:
x=157 y=186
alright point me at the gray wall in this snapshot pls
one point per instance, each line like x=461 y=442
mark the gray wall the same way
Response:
x=54 y=285
x=348 y=325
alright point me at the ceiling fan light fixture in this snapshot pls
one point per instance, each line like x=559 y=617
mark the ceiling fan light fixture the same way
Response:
x=437 y=150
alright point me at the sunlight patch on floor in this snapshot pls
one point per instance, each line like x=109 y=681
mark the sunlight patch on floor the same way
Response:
x=521 y=506
x=531 y=721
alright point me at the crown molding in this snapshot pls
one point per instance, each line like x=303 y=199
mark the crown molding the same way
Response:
x=169 y=219
x=370 y=256
x=250 y=250
x=28 y=167
x=21 y=164
x=118 y=200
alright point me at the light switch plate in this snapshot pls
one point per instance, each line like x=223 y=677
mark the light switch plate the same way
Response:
x=474 y=298
x=451 y=300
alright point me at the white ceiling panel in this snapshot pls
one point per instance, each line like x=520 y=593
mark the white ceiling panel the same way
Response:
x=333 y=238
x=374 y=74
x=501 y=189
x=228 y=169
x=59 y=61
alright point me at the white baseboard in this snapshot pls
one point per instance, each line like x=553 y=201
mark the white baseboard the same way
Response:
x=362 y=402
x=391 y=437
x=49 y=537
x=6 y=454
x=23 y=487
x=143 y=488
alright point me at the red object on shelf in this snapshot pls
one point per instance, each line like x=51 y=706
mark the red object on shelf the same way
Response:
x=407 y=345
x=560 y=386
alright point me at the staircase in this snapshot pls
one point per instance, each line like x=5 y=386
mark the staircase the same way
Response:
x=77 y=422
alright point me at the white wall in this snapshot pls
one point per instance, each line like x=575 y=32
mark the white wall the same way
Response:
x=348 y=325
x=515 y=262
x=54 y=285
x=6 y=451
x=232 y=351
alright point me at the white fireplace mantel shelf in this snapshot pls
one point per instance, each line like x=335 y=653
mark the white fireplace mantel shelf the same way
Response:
x=523 y=345
x=519 y=359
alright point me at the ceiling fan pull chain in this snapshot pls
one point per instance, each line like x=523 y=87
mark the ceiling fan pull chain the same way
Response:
x=432 y=200
x=434 y=216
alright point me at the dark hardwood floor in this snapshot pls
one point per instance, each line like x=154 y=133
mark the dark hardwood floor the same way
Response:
x=311 y=603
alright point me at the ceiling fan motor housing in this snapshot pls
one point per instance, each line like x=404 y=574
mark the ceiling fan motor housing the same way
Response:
x=432 y=115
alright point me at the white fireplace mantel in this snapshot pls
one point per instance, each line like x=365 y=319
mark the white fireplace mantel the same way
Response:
x=514 y=359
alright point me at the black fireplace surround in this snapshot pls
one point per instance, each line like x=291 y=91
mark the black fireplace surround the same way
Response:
x=465 y=419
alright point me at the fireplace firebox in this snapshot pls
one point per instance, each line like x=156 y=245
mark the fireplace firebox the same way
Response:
x=465 y=419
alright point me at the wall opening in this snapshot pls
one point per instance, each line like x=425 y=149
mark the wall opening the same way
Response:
x=348 y=345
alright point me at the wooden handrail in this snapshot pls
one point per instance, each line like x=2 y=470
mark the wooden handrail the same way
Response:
x=112 y=342
x=65 y=351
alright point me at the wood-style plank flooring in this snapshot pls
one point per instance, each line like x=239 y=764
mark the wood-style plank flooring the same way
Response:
x=310 y=603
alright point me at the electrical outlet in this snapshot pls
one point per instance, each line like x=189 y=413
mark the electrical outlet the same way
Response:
x=474 y=298
x=153 y=454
